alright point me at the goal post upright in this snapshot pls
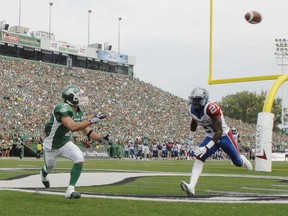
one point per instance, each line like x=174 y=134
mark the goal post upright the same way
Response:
x=265 y=119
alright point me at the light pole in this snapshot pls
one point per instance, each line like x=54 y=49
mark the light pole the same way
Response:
x=50 y=5
x=19 y=17
x=89 y=12
x=282 y=59
x=119 y=19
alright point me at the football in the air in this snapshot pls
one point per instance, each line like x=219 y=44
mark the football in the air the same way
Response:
x=253 y=17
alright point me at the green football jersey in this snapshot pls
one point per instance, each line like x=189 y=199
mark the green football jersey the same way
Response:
x=57 y=135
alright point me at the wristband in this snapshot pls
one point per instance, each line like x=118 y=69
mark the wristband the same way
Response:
x=210 y=144
x=89 y=133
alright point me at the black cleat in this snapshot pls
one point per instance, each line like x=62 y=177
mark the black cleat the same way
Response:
x=45 y=181
x=46 y=184
x=73 y=195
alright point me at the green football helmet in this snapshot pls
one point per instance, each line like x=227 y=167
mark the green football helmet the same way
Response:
x=71 y=95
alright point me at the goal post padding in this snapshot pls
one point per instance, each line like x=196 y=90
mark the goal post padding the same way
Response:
x=263 y=148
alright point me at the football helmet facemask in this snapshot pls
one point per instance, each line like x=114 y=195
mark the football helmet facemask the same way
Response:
x=199 y=97
x=71 y=95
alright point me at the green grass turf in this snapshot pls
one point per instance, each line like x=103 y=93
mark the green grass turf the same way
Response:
x=26 y=204
x=21 y=203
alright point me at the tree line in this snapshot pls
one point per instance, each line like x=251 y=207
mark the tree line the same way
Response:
x=245 y=106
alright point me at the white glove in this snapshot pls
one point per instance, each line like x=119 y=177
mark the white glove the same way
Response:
x=200 y=151
x=97 y=118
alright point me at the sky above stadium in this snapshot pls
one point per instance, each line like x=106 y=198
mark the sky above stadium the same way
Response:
x=170 y=39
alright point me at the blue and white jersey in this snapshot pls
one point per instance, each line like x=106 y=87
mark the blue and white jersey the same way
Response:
x=204 y=117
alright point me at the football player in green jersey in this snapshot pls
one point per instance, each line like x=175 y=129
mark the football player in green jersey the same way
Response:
x=66 y=118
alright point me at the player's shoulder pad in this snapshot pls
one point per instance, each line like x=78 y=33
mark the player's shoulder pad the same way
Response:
x=63 y=109
x=212 y=108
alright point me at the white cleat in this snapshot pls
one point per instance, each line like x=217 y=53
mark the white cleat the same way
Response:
x=247 y=163
x=187 y=188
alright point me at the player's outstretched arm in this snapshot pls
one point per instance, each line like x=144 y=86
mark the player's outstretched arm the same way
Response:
x=91 y=134
x=73 y=126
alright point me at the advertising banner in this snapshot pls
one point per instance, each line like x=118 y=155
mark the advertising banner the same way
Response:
x=20 y=39
x=29 y=41
x=278 y=157
x=112 y=56
x=61 y=46
x=96 y=153
x=10 y=38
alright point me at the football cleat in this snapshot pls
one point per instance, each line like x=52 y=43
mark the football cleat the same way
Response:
x=72 y=194
x=45 y=180
x=185 y=187
x=246 y=163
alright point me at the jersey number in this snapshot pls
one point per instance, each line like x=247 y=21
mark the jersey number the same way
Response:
x=213 y=108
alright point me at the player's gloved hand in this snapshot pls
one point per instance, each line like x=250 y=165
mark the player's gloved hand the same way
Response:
x=105 y=140
x=200 y=151
x=97 y=118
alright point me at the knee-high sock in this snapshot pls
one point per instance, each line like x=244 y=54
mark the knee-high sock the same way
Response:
x=196 y=172
x=75 y=173
x=44 y=173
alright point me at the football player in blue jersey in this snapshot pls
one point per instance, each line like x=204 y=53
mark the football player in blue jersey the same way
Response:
x=217 y=135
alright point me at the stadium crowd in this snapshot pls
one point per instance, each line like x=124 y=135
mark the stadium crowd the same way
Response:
x=135 y=108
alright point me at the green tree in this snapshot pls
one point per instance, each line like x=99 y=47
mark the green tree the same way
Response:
x=245 y=106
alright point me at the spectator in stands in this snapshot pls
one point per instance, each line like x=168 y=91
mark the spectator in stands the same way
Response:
x=30 y=88
x=28 y=143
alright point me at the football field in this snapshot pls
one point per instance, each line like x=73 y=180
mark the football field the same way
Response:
x=129 y=187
